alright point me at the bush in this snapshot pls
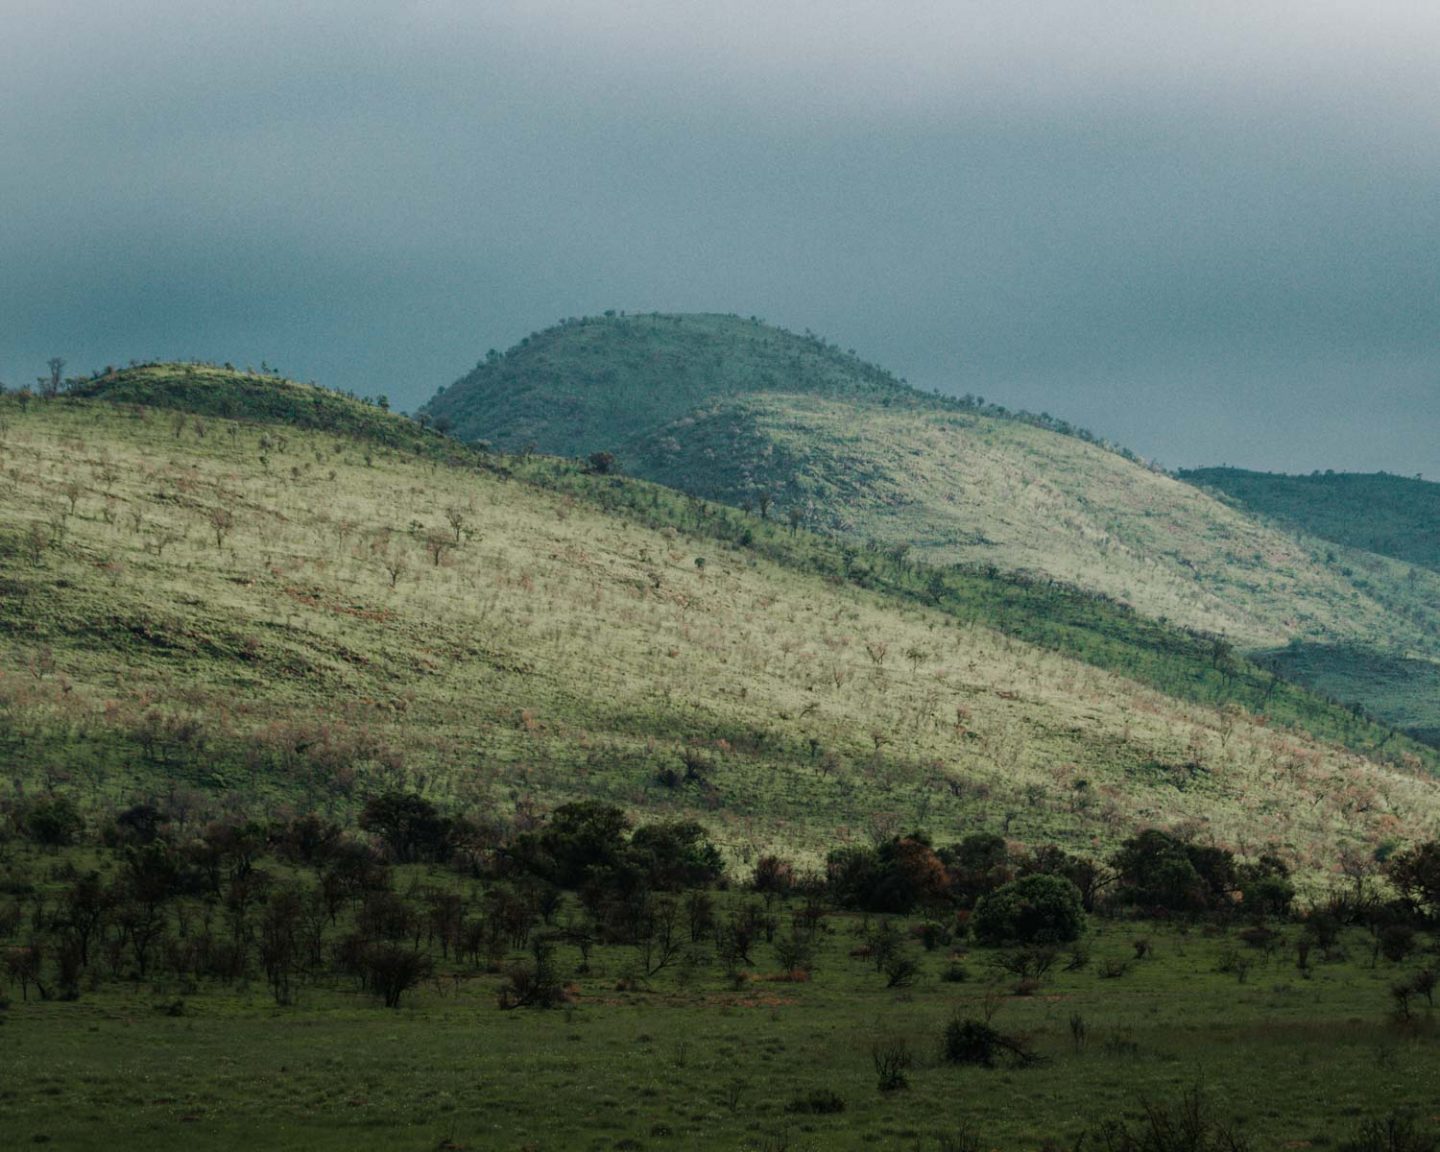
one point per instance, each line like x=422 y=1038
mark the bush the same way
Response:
x=1036 y=909
x=53 y=821
x=1397 y=941
x=1392 y=1134
x=892 y=1060
x=1186 y=1125
x=817 y=1102
x=970 y=1041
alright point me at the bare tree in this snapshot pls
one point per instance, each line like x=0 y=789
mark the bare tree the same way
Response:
x=394 y=568
x=222 y=523
x=37 y=540
x=162 y=538
x=437 y=544
x=50 y=385
x=455 y=514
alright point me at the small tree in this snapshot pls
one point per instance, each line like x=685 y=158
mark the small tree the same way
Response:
x=970 y=1041
x=24 y=966
x=222 y=523
x=391 y=970
x=411 y=827
x=534 y=985
x=50 y=385
x=437 y=544
x=54 y=821
x=455 y=515
x=37 y=540
x=892 y=1061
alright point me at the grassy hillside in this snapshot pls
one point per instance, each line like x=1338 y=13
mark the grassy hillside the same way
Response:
x=594 y=384
x=242 y=618
x=1393 y=516
x=236 y=616
x=969 y=488
x=735 y=411
x=210 y=390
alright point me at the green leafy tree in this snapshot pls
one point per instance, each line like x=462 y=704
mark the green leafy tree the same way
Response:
x=1035 y=909
x=411 y=827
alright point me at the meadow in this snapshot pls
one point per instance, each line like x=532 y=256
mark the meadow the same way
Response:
x=751 y=1058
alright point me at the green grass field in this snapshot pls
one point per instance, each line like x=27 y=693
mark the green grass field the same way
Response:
x=692 y=1059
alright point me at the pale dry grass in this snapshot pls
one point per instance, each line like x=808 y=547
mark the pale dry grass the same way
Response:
x=558 y=652
x=970 y=488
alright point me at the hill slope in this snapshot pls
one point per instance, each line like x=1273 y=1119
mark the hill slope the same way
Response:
x=735 y=411
x=1393 y=516
x=211 y=390
x=206 y=613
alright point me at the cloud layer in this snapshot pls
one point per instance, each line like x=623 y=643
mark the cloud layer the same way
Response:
x=1213 y=235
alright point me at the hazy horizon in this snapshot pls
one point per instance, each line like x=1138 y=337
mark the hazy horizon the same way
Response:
x=1213 y=236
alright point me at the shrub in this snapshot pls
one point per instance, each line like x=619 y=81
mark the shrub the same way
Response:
x=1392 y=1134
x=970 y=1041
x=900 y=971
x=892 y=1061
x=1397 y=941
x=817 y=1102
x=54 y=821
x=962 y=1141
x=1262 y=937
x=391 y=970
x=1185 y=1125
x=931 y=935
x=1036 y=909
x=534 y=985
x=955 y=973
x=773 y=874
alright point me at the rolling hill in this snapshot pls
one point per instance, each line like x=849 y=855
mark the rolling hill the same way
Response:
x=735 y=411
x=238 y=614
x=1396 y=516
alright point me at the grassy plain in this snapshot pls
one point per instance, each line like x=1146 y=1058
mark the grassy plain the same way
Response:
x=692 y=1059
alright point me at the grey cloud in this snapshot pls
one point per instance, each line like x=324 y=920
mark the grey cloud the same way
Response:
x=1202 y=233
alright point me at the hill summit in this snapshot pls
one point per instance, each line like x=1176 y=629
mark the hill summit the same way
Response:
x=608 y=381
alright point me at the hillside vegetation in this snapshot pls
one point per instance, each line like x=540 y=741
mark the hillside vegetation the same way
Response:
x=233 y=614
x=1397 y=516
x=293 y=718
x=736 y=411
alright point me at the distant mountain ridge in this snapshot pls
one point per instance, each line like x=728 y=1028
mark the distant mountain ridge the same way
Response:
x=736 y=411
x=1396 y=516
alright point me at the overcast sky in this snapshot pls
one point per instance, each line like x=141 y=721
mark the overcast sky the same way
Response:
x=1209 y=231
